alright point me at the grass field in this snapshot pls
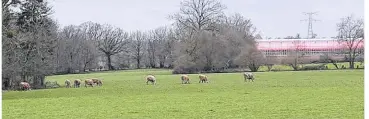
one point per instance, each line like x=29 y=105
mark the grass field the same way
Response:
x=327 y=94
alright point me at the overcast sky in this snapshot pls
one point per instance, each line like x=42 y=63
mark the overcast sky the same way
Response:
x=273 y=18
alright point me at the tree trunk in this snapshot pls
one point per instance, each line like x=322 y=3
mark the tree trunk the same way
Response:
x=351 y=59
x=84 y=67
x=42 y=80
x=152 y=63
x=335 y=64
x=161 y=64
x=170 y=66
x=70 y=63
x=6 y=83
x=352 y=64
x=270 y=66
x=253 y=67
x=138 y=63
x=152 y=60
x=110 y=67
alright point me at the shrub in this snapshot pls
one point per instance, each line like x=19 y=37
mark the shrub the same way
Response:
x=314 y=67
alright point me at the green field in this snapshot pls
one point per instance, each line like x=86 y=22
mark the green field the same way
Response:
x=326 y=94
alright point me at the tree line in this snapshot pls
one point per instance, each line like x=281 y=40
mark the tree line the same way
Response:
x=202 y=39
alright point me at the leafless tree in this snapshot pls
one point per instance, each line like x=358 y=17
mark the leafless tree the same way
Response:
x=170 y=48
x=161 y=35
x=138 y=40
x=152 y=49
x=241 y=24
x=124 y=60
x=253 y=59
x=329 y=59
x=89 y=51
x=198 y=14
x=209 y=54
x=112 y=41
x=157 y=44
x=202 y=29
x=69 y=47
x=270 y=61
x=351 y=34
x=238 y=32
x=295 y=56
x=88 y=55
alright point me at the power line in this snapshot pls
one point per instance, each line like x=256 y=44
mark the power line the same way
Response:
x=310 y=23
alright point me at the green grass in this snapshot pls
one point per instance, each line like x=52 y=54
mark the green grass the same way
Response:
x=327 y=94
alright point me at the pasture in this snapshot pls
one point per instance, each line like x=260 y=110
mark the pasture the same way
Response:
x=125 y=95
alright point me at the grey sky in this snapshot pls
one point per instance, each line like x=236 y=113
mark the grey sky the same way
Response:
x=273 y=18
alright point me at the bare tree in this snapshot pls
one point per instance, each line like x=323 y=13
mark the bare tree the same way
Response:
x=270 y=61
x=253 y=59
x=238 y=32
x=170 y=48
x=69 y=45
x=294 y=57
x=156 y=46
x=208 y=50
x=351 y=34
x=76 y=49
x=138 y=39
x=152 y=48
x=198 y=14
x=161 y=37
x=329 y=59
x=241 y=24
x=88 y=55
x=113 y=41
x=124 y=60
x=194 y=16
x=200 y=41
x=89 y=51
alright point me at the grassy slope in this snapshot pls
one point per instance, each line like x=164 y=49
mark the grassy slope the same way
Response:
x=307 y=94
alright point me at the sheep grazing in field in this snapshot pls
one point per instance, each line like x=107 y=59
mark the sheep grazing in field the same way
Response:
x=203 y=78
x=150 y=78
x=67 y=83
x=25 y=86
x=96 y=81
x=185 y=79
x=77 y=83
x=248 y=76
x=89 y=82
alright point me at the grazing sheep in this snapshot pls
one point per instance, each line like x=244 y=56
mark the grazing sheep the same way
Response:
x=77 y=83
x=248 y=76
x=67 y=83
x=89 y=82
x=151 y=78
x=185 y=79
x=203 y=78
x=25 y=86
x=99 y=82
x=96 y=81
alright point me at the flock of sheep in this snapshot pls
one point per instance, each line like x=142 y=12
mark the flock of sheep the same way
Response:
x=203 y=78
x=88 y=82
x=150 y=78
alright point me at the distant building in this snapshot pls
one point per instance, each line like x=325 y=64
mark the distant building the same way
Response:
x=309 y=47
